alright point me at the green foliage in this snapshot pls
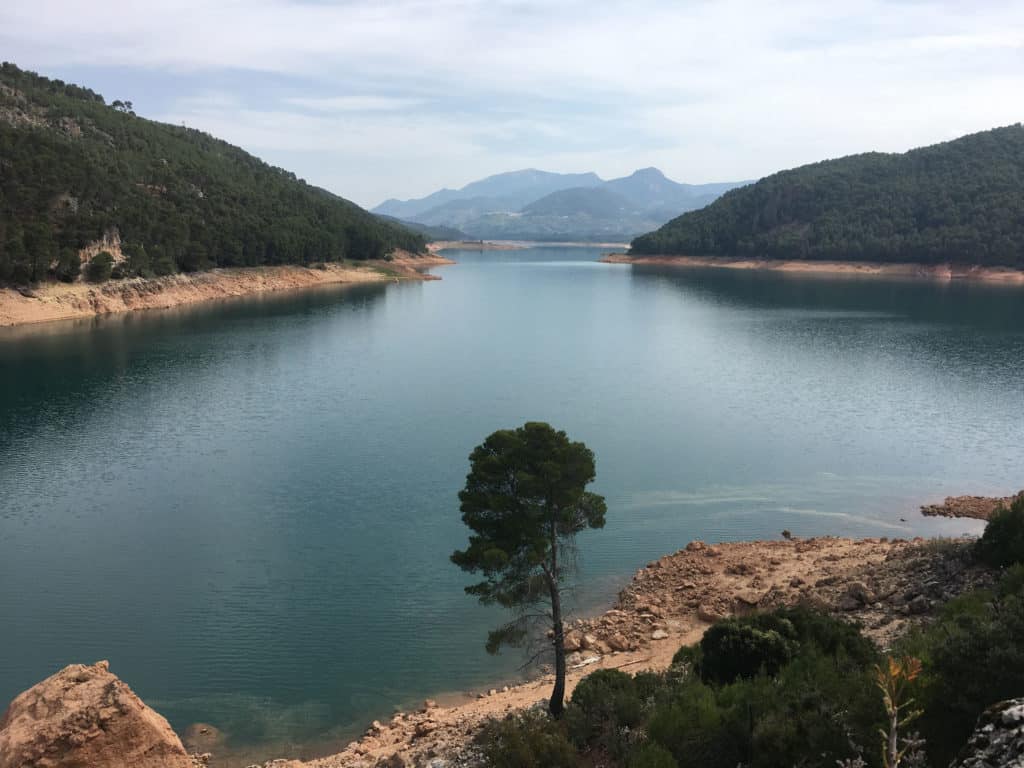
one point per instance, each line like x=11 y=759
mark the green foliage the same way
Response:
x=954 y=202
x=737 y=648
x=77 y=168
x=973 y=657
x=525 y=500
x=652 y=755
x=1002 y=544
x=527 y=740
x=100 y=267
x=604 y=707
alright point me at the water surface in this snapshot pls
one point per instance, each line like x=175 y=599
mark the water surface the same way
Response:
x=248 y=507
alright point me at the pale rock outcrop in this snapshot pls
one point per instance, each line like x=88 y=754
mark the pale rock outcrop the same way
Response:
x=85 y=717
x=998 y=740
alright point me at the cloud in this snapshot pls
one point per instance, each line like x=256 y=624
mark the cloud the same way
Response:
x=398 y=97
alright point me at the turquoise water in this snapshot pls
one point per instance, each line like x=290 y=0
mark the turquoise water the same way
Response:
x=248 y=507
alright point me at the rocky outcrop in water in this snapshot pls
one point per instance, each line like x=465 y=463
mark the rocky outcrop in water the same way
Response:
x=998 y=740
x=85 y=717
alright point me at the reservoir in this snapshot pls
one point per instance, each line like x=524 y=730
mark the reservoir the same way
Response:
x=248 y=507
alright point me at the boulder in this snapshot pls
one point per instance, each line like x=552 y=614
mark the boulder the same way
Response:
x=659 y=634
x=84 y=716
x=711 y=613
x=998 y=739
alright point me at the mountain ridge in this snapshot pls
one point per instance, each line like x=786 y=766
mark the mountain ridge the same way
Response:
x=530 y=204
x=956 y=202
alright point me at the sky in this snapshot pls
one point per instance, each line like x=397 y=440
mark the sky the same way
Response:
x=374 y=99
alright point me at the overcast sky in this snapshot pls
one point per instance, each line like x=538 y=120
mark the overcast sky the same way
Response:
x=397 y=98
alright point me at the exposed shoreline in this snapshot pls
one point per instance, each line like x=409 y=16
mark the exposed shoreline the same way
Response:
x=1006 y=275
x=471 y=245
x=671 y=602
x=54 y=301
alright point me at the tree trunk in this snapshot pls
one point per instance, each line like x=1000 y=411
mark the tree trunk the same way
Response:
x=557 y=703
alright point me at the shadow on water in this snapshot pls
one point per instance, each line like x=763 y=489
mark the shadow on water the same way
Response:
x=989 y=306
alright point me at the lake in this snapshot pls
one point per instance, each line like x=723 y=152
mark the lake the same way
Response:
x=248 y=507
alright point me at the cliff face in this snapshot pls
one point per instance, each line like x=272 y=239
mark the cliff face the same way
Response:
x=84 y=717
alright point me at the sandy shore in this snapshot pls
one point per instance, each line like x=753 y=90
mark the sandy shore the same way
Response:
x=472 y=245
x=852 y=268
x=66 y=301
x=884 y=584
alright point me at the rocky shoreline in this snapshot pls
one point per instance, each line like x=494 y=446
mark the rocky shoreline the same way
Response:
x=975 y=507
x=886 y=585
x=848 y=268
x=67 y=301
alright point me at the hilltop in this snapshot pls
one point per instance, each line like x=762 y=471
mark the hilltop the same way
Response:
x=80 y=176
x=958 y=202
x=539 y=205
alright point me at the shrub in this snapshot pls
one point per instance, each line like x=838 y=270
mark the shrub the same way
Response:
x=527 y=740
x=1002 y=544
x=603 y=707
x=652 y=755
x=742 y=648
x=100 y=267
x=973 y=657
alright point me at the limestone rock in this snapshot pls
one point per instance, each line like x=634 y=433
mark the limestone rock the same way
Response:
x=84 y=716
x=998 y=739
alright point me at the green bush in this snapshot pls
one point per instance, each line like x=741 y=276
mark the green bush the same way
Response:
x=603 y=709
x=100 y=267
x=527 y=740
x=652 y=755
x=973 y=656
x=1002 y=544
x=745 y=647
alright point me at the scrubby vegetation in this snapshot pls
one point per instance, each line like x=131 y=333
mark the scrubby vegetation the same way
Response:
x=1003 y=541
x=796 y=687
x=954 y=202
x=73 y=168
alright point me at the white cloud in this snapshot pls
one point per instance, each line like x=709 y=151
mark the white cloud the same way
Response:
x=398 y=97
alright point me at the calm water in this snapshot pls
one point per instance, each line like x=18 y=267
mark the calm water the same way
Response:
x=248 y=508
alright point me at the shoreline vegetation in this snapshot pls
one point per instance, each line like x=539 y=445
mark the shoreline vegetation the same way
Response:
x=888 y=586
x=53 y=300
x=1005 y=275
x=670 y=603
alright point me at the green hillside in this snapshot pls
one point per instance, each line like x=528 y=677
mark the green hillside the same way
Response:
x=961 y=201
x=72 y=168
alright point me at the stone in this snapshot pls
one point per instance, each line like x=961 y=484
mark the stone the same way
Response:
x=711 y=613
x=573 y=641
x=618 y=642
x=659 y=634
x=998 y=739
x=86 y=716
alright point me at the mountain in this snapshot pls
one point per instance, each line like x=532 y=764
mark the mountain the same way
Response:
x=75 y=171
x=514 y=189
x=960 y=202
x=536 y=205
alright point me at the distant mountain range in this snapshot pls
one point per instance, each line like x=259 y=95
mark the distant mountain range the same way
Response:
x=539 y=205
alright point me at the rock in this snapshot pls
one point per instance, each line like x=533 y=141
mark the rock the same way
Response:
x=394 y=761
x=710 y=613
x=429 y=704
x=860 y=593
x=848 y=603
x=659 y=634
x=573 y=641
x=919 y=605
x=589 y=642
x=618 y=642
x=998 y=739
x=202 y=737
x=696 y=546
x=85 y=716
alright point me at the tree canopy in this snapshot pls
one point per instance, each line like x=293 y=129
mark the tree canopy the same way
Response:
x=525 y=499
x=956 y=202
x=73 y=168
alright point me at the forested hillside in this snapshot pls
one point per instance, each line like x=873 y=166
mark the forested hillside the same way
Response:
x=73 y=168
x=961 y=201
